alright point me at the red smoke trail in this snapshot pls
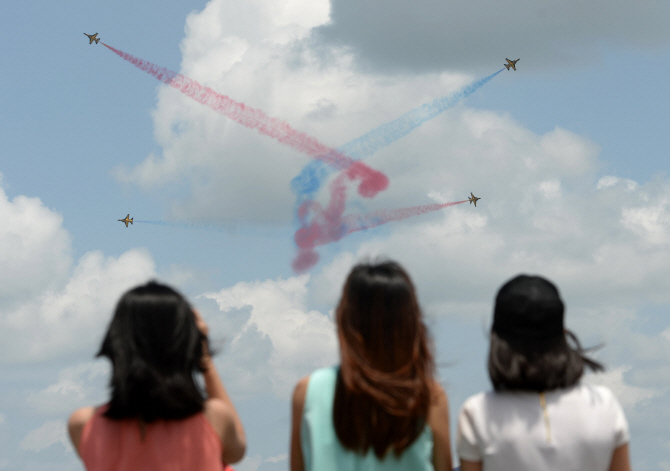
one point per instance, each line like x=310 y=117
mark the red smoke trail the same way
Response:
x=329 y=225
x=371 y=181
x=359 y=222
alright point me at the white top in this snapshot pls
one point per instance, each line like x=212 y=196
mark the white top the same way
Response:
x=576 y=428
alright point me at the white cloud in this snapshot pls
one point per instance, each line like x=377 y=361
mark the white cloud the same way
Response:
x=49 y=305
x=72 y=318
x=610 y=180
x=651 y=222
x=250 y=463
x=77 y=386
x=628 y=395
x=35 y=251
x=47 y=434
x=281 y=339
x=278 y=458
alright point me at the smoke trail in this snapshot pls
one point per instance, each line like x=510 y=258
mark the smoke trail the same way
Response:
x=328 y=225
x=184 y=225
x=307 y=183
x=325 y=229
x=371 y=181
x=325 y=225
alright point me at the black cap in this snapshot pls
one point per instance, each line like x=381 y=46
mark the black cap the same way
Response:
x=529 y=314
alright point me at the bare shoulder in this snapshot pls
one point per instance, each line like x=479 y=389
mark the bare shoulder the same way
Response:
x=79 y=417
x=300 y=391
x=77 y=422
x=218 y=413
x=438 y=396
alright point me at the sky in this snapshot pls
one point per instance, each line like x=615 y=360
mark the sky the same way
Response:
x=568 y=155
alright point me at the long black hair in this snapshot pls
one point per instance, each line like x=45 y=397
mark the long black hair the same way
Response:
x=155 y=348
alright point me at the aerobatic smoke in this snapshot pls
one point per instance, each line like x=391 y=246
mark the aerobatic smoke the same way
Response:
x=318 y=226
x=327 y=227
x=309 y=180
x=371 y=181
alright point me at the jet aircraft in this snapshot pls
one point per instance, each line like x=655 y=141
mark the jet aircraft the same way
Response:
x=128 y=219
x=510 y=63
x=471 y=199
x=93 y=37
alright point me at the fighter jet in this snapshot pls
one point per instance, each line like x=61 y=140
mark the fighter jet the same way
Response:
x=93 y=37
x=471 y=199
x=128 y=219
x=510 y=63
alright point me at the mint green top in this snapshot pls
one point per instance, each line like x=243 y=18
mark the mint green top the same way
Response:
x=321 y=449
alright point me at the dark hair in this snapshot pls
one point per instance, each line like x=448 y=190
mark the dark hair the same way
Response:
x=529 y=347
x=383 y=390
x=155 y=348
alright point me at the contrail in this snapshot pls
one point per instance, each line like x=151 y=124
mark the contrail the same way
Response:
x=371 y=181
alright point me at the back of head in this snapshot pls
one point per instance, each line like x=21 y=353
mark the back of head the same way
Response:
x=383 y=391
x=529 y=345
x=155 y=348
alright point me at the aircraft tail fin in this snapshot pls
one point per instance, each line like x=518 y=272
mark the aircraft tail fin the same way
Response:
x=131 y=220
x=507 y=65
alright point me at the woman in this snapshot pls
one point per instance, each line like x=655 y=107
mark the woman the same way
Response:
x=539 y=416
x=157 y=417
x=380 y=409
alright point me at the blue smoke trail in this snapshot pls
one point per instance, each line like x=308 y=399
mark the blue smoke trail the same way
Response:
x=184 y=225
x=310 y=178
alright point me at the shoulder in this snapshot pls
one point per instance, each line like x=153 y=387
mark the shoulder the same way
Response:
x=478 y=400
x=77 y=422
x=321 y=383
x=300 y=390
x=219 y=414
x=439 y=400
x=81 y=416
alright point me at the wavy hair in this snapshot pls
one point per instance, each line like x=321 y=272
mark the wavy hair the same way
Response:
x=155 y=348
x=383 y=390
x=561 y=366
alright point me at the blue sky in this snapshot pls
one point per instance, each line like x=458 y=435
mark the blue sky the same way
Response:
x=569 y=155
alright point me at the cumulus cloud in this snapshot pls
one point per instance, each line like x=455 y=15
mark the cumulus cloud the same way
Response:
x=628 y=395
x=47 y=434
x=278 y=458
x=76 y=386
x=280 y=339
x=433 y=34
x=72 y=318
x=50 y=305
x=35 y=250
x=250 y=463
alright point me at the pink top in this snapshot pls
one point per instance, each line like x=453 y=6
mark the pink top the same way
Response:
x=168 y=445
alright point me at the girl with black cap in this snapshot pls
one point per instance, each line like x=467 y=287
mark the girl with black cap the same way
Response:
x=539 y=416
